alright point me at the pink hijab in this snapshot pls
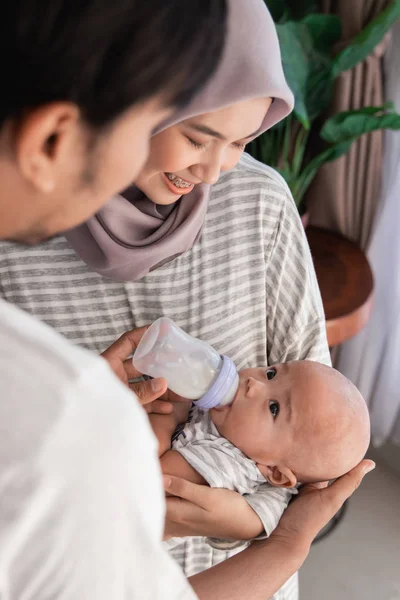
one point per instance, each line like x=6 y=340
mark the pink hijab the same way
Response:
x=131 y=236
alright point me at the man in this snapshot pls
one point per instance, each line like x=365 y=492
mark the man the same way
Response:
x=81 y=501
x=83 y=85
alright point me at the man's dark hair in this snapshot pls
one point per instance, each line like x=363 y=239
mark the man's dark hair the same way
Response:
x=106 y=55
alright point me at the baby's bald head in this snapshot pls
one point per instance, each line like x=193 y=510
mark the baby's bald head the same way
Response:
x=333 y=432
x=298 y=421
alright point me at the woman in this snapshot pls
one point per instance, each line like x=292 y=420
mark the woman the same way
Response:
x=229 y=264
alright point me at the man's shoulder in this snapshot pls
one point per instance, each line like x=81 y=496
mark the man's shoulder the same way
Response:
x=41 y=376
x=53 y=392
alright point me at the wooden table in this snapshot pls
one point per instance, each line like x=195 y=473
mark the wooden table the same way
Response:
x=346 y=283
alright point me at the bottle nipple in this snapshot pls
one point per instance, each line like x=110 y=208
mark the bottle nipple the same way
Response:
x=224 y=388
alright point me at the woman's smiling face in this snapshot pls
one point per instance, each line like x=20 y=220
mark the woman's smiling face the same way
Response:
x=199 y=149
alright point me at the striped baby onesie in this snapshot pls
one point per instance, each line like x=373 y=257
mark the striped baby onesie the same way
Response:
x=214 y=457
x=223 y=465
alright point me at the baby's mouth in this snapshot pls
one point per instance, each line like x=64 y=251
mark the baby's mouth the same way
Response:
x=179 y=182
x=228 y=406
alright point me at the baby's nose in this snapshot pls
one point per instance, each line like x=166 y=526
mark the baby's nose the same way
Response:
x=255 y=388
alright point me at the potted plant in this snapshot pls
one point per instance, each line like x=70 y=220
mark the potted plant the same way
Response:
x=308 y=39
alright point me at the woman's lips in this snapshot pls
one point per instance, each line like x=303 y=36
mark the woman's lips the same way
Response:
x=179 y=191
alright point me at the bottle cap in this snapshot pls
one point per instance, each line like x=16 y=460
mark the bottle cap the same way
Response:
x=224 y=387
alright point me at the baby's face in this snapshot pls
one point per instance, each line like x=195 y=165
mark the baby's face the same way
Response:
x=269 y=411
x=288 y=414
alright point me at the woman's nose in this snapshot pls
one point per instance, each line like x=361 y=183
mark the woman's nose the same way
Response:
x=208 y=171
x=212 y=173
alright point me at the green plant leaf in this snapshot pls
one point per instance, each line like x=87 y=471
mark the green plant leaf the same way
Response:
x=325 y=30
x=310 y=171
x=267 y=147
x=301 y=8
x=389 y=106
x=287 y=138
x=364 y=43
x=277 y=8
x=294 y=38
x=351 y=124
x=308 y=65
x=299 y=151
x=282 y=10
x=344 y=129
x=290 y=180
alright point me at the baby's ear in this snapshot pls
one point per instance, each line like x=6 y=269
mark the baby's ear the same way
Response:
x=278 y=476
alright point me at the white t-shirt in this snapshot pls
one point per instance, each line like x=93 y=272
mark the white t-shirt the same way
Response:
x=81 y=499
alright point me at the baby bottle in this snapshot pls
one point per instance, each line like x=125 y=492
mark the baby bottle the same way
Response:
x=192 y=368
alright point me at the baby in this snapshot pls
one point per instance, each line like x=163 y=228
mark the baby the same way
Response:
x=296 y=422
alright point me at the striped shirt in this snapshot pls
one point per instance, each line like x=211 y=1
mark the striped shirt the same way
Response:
x=248 y=288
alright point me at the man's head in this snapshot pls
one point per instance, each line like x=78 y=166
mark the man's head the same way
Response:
x=299 y=421
x=83 y=86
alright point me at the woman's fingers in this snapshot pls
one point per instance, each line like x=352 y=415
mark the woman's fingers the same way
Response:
x=187 y=508
x=345 y=486
x=198 y=495
x=178 y=510
x=321 y=485
x=203 y=511
x=315 y=507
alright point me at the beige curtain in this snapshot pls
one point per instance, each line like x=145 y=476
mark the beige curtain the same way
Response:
x=345 y=193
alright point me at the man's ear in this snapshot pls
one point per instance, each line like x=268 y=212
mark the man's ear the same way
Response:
x=278 y=476
x=40 y=138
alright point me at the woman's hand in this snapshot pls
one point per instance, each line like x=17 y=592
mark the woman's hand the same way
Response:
x=200 y=510
x=260 y=570
x=316 y=505
x=148 y=392
x=212 y=512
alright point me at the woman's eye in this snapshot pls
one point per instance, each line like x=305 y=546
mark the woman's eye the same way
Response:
x=270 y=373
x=240 y=147
x=274 y=408
x=195 y=144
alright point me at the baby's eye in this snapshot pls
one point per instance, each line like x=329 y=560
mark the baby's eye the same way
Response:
x=274 y=408
x=270 y=373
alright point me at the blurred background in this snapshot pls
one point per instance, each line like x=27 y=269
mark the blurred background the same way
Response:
x=340 y=154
